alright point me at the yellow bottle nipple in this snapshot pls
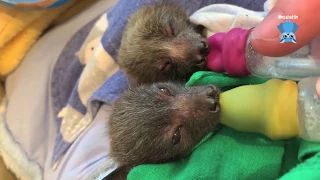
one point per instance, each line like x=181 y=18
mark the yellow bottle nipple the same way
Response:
x=269 y=108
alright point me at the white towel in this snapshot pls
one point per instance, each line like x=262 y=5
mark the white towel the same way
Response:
x=222 y=17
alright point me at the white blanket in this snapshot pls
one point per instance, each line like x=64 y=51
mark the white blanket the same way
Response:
x=223 y=17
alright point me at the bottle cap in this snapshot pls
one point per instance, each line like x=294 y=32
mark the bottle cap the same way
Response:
x=227 y=52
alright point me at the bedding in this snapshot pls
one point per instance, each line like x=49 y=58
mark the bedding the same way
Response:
x=28 y=125
x=20 y=29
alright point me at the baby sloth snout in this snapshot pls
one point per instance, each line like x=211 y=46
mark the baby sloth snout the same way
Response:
x=212 y=93
x=202 y=53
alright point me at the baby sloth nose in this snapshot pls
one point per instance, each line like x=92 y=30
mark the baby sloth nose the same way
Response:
x=212 y=98
x=203 y=50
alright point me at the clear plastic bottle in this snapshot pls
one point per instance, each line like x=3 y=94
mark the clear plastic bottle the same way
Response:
x=232 y=52
x=298 y=65
x=308 y=109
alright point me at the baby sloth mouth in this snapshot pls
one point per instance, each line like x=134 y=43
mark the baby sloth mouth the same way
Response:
x=202 y=62
x=212 y=98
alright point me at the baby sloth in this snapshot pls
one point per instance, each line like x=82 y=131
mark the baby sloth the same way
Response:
x=159 y=43
x=160 y=122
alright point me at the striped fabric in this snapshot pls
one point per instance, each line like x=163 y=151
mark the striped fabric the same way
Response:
x=34 y=3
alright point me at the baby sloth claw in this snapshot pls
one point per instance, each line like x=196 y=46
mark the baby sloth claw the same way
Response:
x=159 y=43
x=161 y=122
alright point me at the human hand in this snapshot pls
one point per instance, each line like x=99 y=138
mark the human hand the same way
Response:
x=265 y=38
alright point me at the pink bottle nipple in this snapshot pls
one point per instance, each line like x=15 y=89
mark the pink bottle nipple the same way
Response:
x=227 y=52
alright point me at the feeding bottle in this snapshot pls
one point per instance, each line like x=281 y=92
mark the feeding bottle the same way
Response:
x=278 y=109
x=232 y=52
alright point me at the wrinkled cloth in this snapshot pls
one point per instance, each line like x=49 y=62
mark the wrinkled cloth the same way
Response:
x=223 y=81
x=228 y=154
x=20 y=29
x=28 y=124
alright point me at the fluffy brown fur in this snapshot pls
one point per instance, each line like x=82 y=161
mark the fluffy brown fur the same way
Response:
x=159 y=43
x=160 y=122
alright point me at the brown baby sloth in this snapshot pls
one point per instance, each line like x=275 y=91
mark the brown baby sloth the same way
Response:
x=160 y=122
x=159 y=43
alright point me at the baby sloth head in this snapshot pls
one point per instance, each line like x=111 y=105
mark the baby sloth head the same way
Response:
x=160 y=43
x=160 y=122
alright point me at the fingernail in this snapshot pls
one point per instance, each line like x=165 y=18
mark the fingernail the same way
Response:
x=267 y=30
x=318 y=87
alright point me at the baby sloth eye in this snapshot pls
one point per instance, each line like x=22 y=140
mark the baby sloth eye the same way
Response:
x=166 y=66
x=176 y=136
x=170 y=30
x=166 y=91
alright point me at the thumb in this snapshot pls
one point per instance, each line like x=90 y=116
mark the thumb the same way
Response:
x=265 y=38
